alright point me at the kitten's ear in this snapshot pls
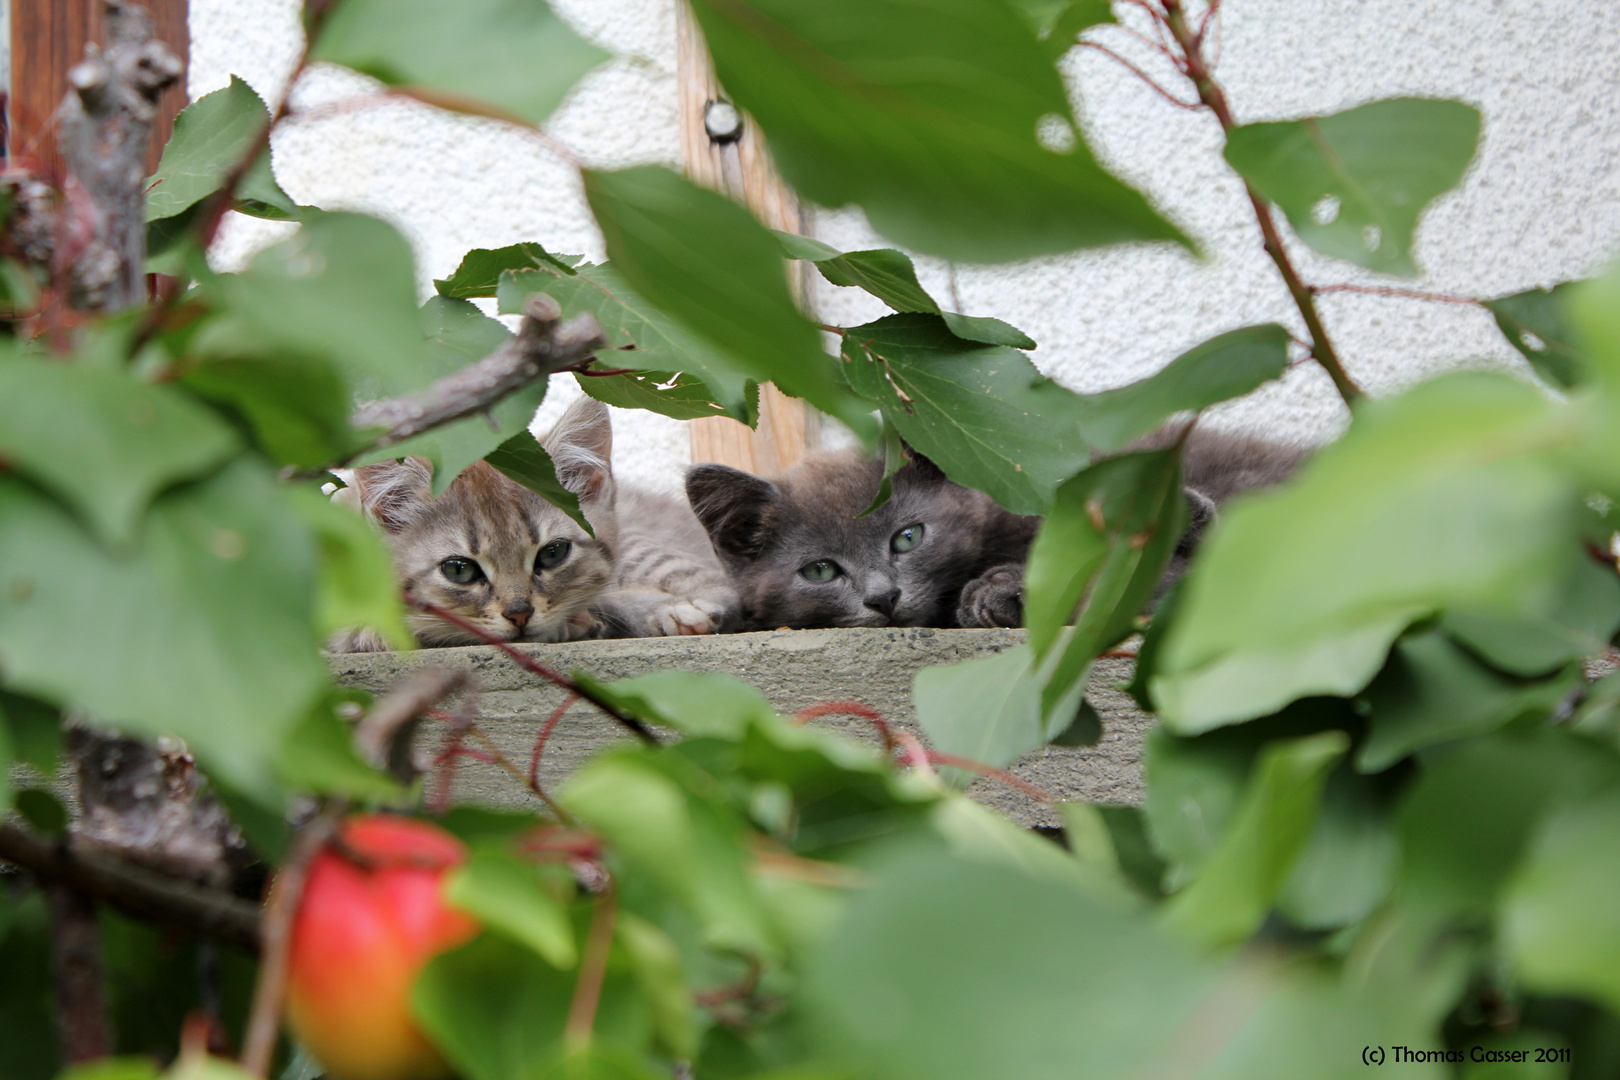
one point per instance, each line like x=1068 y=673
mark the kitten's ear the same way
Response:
x=731 y=504
x=923 y=468
x=581 y=447
x=1201 y=514
x=394 y=492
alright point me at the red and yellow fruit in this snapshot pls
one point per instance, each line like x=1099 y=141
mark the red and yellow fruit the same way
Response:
x=371 y=916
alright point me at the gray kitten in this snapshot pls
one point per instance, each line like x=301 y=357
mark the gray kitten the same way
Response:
x=936 y=554
x=1214 y=467
x=800 y=557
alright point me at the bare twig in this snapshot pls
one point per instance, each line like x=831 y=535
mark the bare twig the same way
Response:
x=1409 y=294
x=1211 y=94
x=534 y=667
x=136 y=892
x=78 y=977
x=592 y=969
x=383 y=735
x=540 y=347
x=270 y=991
x=106 y=124
x=1140 y=74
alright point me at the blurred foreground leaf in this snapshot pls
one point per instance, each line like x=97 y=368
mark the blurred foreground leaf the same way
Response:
x=930 y=117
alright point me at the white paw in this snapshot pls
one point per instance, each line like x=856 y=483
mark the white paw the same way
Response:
x=684 y=618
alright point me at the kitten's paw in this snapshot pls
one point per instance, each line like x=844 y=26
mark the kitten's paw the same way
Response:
x=995 y=598
x=686 y=617
x=349 y=641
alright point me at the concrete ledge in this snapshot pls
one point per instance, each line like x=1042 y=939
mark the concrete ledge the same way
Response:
x=793 y=668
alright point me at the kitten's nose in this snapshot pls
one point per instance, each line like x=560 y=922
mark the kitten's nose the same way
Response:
x=883 y=602
x=518 y=614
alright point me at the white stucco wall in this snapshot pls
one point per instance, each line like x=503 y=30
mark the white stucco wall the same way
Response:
x=1539 y=206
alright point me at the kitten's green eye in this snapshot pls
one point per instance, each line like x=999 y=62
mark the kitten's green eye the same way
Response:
x=552 y=554
x=820 y=570
x=906 y=539
x=461 y=571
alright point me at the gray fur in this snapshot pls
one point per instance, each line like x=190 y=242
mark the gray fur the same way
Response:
x=765 y=532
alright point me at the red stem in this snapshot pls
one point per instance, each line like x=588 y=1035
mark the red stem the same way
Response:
x=991 y=771
x=540 y=742
x=1144 y=76
x=592 y=970
x=849 y=708
x=599 y=373
x=1383 y=290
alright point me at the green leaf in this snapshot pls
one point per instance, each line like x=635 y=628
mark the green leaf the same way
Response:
x=1224 y=367
x=523 y=459
x=1473 y=812
x=1558 y=920
x=1109 y=537
x=297 y=406
x=1134 y=852
x=457 y=335
x=480 y=270
x=989 y=709
x=104 y=442
x=1348 y=863
x=1353 y=184
x=1192 y=789
x=129 y=1068
x=357 y=586
x=350 y=280
x=890 y=276
x=954 y=970
x=678 y=396
x=36 y=731
x=509 y=895
x=513 y=54
x=656 y=961
x=981 y=413
x=641 y=336
x=211 y=136
x=213 y=552
x=705 y=262
x=1535 y=323
x=207 y=1068
x=1301 y=590
x=1575 y=621
x=691 y=844
x=929 y=117
x=1058 y=23
x=318 y=755
x=41 y=810
x=707 y=704
x=493 y=1008
x=1432 y=691
x=1257 y=852
x=894 y=459
x=1515 y=1057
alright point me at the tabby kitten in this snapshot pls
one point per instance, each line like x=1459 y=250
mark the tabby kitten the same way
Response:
x=509 y=562
x=936 y=554
x=492 y=551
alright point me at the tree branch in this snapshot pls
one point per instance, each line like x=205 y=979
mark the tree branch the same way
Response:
x=541 y=346
x=78 y=977
x=383 y=736
x=106 y=125
x=136 y=892
x=1211 y=94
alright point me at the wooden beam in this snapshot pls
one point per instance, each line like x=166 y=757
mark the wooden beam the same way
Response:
x=741 y=168
x=48 y=38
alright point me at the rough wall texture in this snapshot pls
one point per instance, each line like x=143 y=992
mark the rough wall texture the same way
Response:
x=793 y=668
x=1538 y=207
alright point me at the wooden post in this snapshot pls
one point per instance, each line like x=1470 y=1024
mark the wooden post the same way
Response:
x=741 y=168
x=48 y=38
